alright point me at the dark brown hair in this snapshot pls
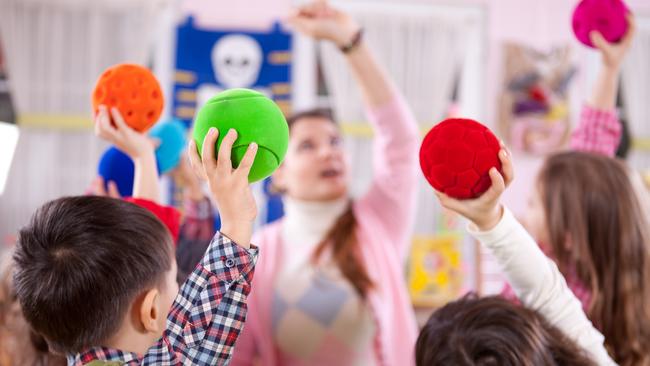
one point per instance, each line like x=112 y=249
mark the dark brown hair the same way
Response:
x=81 y=262
x=598 y=230
x=341 y=238
x=492 y=331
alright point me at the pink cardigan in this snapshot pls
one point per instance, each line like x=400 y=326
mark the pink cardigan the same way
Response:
x=385 y=217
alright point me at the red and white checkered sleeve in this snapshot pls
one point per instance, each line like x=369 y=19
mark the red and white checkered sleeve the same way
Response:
x=599 y=131
x=210 y=310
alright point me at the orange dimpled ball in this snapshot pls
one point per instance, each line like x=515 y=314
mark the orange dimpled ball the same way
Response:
x=135 y=92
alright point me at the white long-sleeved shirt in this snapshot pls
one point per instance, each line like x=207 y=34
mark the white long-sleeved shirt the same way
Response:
x=539 y=284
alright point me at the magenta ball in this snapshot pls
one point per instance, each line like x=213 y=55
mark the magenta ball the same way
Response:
x=606 y=16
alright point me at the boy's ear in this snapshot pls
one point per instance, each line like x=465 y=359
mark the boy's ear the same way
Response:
x=150 y=311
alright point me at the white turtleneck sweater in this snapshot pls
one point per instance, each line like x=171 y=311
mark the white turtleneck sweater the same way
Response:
x=305 y=225
x=317 y=316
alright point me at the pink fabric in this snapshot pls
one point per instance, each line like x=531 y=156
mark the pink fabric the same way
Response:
x=582 y=292
x=599 y=131
x=385 y=216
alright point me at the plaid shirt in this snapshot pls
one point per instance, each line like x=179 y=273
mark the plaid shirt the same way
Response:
x=206 y=317
x=599 y=131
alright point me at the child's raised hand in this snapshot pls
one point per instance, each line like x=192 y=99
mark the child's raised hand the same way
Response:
x=484 y=211
x=133 y=143
x=319 y=20
x=97 y=188
x=229 y=187
x=614 y=53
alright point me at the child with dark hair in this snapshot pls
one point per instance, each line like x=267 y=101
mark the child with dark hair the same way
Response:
x=19 y=344
x=96 y=276
x=494 y=331
x=553 y=330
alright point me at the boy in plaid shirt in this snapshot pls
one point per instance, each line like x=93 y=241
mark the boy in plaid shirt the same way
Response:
x=96 y=276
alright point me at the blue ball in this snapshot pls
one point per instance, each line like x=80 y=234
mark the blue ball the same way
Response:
x=117 y=166
x=172 y=136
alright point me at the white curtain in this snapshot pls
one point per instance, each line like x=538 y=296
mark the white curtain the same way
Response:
x=55 y=50
x=422 y=51
x=48 y=164
x=636 y=93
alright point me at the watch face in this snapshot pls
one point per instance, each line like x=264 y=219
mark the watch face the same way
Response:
x=8 y=141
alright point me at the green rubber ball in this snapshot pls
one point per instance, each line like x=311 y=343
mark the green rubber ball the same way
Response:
x=256 y=118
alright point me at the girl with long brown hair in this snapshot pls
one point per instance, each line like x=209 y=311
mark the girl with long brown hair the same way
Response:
x=329 y=288
x=590 y=218
x=589 y=215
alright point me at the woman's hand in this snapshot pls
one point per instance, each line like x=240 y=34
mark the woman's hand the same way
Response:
x=320 y=21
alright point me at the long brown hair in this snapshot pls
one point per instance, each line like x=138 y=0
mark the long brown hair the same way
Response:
x=490 y=331
x=341 y=238
x=598 y=230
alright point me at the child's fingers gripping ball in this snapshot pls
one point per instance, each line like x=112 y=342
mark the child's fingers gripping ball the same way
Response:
x=135 y=92
x=256 y=118
x=457 y=155
x=609 y=17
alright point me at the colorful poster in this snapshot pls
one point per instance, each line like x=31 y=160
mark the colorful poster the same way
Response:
x=211 y=60
x=436 y=263
x=436 y=269
x=534 y=104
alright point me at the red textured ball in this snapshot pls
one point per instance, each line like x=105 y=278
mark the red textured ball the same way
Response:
x=134 y=90
x=457 y=155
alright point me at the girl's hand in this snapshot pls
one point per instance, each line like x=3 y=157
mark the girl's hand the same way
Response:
x=485 y=211
x=97 y=188
x=321 y=21
x=133 y=143
x=229 y=187
x=614 y=53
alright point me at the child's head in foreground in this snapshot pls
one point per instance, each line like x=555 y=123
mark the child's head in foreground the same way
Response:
x=95 y=271
x=491 y=331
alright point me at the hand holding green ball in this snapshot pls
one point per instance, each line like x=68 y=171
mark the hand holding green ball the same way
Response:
x=256 y=118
